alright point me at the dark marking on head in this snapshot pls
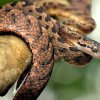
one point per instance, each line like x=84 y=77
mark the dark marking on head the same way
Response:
x=86 y=39
x=25 y=13
x=54 y=17
x=44 y=48
x=13 y=18
x=88 y=7
x=78 y=59
x=47 y=27
x=74 y=49
x=57 y=26
x=13 y=3
x=72 y=1
x=62 y=49
x=96 y=43
x=30 y=10
x=40 y=10
x=88 y=46
x=50 y=3
x=49 y=39
x=47 y=45
x=48 y=18
x=83 y=45
x=8 y=9
x=39 y=17
x=27 y=3
x=54 y=30
x=38 y=36
x=29 y=21
x=94 y=49
x=48 y=61
x=61 y=40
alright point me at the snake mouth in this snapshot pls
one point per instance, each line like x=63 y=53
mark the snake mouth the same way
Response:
x=15 y=57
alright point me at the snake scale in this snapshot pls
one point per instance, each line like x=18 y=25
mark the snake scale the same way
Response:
x=49 y=28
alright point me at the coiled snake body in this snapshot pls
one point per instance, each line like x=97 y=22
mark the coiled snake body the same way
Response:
x=62 y=34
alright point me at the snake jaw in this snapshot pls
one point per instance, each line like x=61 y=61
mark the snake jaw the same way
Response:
x=82 y=42
x=89 y=46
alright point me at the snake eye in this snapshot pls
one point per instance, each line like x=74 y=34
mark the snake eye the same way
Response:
x=15 y=56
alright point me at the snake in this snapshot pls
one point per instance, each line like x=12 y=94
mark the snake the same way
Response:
x=49 y=28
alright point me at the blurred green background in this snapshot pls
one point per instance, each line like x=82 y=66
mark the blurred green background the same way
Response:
x=68 y=82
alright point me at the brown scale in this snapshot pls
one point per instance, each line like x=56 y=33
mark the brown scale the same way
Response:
x=46 y=37
x=75 y=19
x=67 y=55
x=42 y=59
x=76 y=23
x=47 y=22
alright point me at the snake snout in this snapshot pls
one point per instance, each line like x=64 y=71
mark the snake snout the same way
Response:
x=89 y=46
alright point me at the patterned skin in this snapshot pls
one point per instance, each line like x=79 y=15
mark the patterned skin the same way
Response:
x=63 y=35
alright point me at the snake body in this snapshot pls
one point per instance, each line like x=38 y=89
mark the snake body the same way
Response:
x=47 y=36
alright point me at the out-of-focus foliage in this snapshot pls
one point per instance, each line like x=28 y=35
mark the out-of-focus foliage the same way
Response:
x=2 y=2
x=70 y=83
